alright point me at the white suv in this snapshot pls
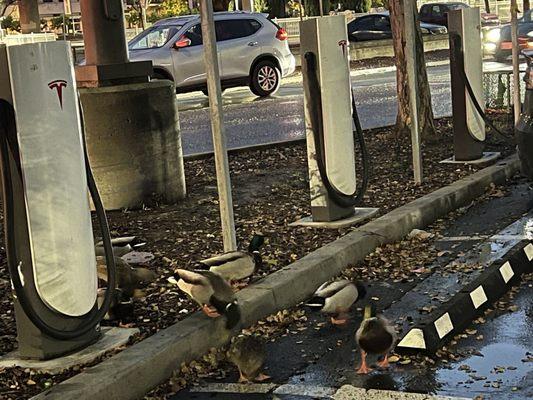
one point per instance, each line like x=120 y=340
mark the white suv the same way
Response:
x=252 y=51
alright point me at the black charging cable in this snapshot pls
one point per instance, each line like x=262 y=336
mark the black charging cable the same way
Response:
x=314 y=105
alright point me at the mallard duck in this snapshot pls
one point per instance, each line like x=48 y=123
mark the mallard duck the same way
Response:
x=248 y=354
x=129 y=279
x=237 y=265
x=119 y=309
x=335 y=298
x=211 y=292
x=376 y=336
x=121 y=246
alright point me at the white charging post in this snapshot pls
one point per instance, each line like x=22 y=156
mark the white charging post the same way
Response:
x=52 y=239
x=326 y=39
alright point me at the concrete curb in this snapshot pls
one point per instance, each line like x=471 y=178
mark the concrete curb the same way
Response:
x=131 y=373
x=470 y=302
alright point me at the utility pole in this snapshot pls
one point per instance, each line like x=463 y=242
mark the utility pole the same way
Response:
x=29 y=16
x=412 y=80
x=217 y=126
x=517 y=102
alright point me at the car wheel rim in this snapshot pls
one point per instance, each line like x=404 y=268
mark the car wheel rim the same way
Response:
x=267 y=78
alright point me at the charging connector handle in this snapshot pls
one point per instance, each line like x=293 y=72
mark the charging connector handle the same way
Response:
x=314 y=104
x=8 y=145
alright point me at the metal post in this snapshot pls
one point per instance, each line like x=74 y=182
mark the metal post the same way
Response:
x=321 y=8
x=29 y=16
x=217 y=126
x=412 y=80
x=515 y=53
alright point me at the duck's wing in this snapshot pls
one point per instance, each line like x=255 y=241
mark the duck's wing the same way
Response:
x=341 y=300
x=376 y=340
x=237 y=267
x=328 y=289
x=223 y=258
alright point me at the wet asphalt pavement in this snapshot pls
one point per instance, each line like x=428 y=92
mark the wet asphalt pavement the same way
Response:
x=315 y=362
x=250 y=120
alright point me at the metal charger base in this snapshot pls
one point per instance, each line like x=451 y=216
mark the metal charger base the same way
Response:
x=111 y=339
x=360 y=214
x=486 y=158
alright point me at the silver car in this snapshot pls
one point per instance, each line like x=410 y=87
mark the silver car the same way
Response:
x=252 y=51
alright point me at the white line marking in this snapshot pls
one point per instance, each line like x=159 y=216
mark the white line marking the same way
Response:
x=529 y=251
x=506 y=271
x=478 y=297
x=414 y=339
x=443 y=325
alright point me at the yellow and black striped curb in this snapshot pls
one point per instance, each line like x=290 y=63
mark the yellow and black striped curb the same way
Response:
x=470 y=302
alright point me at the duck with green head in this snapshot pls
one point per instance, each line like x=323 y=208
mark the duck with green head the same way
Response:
x=375 y=336
x=212 y=292
x=335 y=299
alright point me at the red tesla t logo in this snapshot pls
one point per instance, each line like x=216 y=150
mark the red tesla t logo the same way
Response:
x=343 y=44
x=58 y=86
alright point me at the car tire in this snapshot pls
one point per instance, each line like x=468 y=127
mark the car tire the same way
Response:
x=265 y=79
x=156 y=76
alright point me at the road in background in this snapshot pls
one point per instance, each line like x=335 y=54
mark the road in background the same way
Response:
x=250 y=120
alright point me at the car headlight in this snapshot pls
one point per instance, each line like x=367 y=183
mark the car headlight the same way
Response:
x=530 y=34
x=493 y=35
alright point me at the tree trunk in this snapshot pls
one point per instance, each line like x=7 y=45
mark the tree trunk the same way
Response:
x=425 y=113
x=526 y=6
x=487 y=6
x=29 y=16
x=144 y=24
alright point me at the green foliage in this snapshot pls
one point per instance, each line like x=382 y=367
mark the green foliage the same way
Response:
x=261 y=6
x=173 y=8
x=133 y=18
x=293 y=9
x=57 y=22
x=359 y=6
x=380 y=3
x=10 y=24
x=312 y=7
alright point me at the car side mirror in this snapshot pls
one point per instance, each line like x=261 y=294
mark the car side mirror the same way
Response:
x=182 y=42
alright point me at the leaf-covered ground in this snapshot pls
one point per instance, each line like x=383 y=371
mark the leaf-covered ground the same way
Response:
x=270 y=189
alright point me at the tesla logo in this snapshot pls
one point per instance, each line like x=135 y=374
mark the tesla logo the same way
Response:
x=343 y=44
x=58 y=86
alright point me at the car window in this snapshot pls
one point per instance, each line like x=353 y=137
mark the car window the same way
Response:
x=457 y=6
x=235 y=28
x=194 y=34
x=527 y=16
x=154 y=37
x=382 y=23
x=435 y=10
x=424 y=10
x=364 y=24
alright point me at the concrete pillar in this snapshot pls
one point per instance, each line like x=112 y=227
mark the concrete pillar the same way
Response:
x=106 y=51
x=134 y=143
x=29 y=16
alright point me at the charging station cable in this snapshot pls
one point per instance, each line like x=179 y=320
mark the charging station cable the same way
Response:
x=314 y=104
x=459 y=56
x=9 y=145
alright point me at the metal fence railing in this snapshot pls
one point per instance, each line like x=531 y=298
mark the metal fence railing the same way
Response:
x=10 y=40
x=498 y=89
x=501 y=8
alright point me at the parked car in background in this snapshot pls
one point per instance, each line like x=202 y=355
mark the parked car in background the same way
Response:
x=377 y=26
x=497 y=41
x=252 y=51
x=437 y=13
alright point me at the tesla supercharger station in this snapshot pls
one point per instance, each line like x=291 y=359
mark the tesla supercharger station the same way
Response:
x=46 y=207
x=464 y=26
x=326 y=65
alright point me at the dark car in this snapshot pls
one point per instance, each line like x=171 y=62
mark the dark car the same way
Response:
x=377 y=26
x=437 y=13
x=497 y=41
